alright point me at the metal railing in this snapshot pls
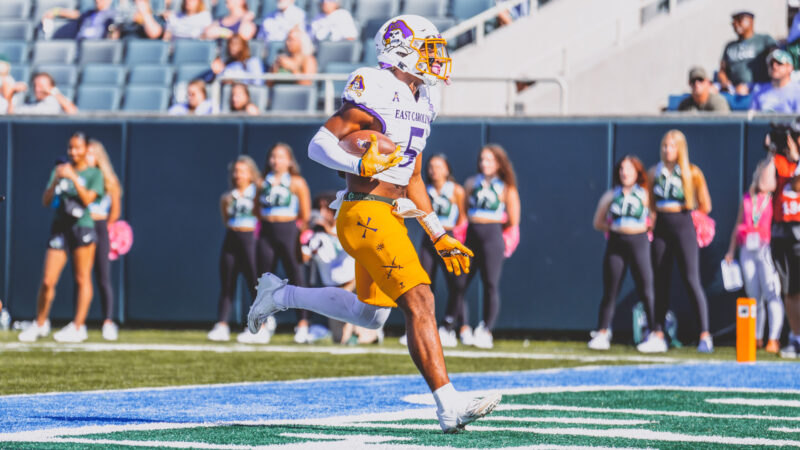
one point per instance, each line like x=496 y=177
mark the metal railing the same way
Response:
x=476 y=22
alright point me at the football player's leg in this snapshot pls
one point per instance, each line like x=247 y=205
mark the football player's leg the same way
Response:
x=424 y=346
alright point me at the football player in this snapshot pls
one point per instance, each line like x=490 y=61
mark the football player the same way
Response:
x=399 y=99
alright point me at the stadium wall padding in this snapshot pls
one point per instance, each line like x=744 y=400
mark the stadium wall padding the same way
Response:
x=174 y=171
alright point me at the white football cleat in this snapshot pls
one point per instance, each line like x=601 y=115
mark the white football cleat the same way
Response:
x=653 y=344
x=600 y=340
x=71 y=333
x=220 y=333
x=264 y=306
x=448 y=338
x=110 y=331
x=453 y=421
x=34 y=331
x=262 y=337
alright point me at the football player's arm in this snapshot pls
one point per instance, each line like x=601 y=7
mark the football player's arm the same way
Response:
x=324 y=146
x=600 y=213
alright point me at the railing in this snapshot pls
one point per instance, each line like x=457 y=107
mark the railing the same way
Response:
x=476 y=22
x=329 y=95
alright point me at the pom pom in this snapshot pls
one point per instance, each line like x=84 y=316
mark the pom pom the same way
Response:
x=511 y=240
x=305 y=237
x=460 y=232
x=705 y=228
x=120 y=239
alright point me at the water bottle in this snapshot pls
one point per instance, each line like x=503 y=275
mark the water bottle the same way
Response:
x=5 y=320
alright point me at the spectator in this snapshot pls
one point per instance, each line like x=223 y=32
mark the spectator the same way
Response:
x=493 y=205
x=197 y=104
x=752 y=235
x=793 y=42
x=72 y=187
x=678 y=188
x=278 y=23
x=8 y=86
x=239 y=248
x=239 y=62
x=511 y=14
x=333 y=23
x=49 y=100
x=333 y=267
x=240 y=100
x=743 y=59
x=145 y=23
x=623 y=213
x=239 y=21
x=299 y=57
x=105 y=210
x=189 y=23
x=285 y=207
x=702 y=98
x=93 y=24
x=781 y=95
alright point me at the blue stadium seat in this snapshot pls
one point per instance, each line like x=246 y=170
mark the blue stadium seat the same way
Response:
x=371 y=28
x=189 y=72
x=146 y=98
x=369 y=56
x=442 y=23
x=338 y=51
x=267 y=6
x=738 y=102
x=140 y=51
x=371 y=9
x=98 y=98
x=42 y=6
x=674 y=100
x=15 y=52
x=259 y=95
x=101 y=51
x=86 y=5
x=312 y=8
x=54 y=52
x=339 y=67
x=151 y=75
x=425 y=8
x=63 y=74
x=464 y=9
x=16 y=30
x=189 y=51
x=221 y=10
x=293 y=98
x=274 y=48
x=15 y=9
x=103 y=75
x=21 y=73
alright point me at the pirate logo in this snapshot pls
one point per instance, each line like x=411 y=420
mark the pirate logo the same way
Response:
x=398 y=34
x=357 y=85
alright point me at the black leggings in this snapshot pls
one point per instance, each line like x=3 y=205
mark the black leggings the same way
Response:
x=238 y=256
x=102 y=269
x=486 y=242
x=279 y=241
x=624 y=249
x=675 y=236
x=455 y=313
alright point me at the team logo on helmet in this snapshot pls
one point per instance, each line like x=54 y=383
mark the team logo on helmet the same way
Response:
x=398 y=34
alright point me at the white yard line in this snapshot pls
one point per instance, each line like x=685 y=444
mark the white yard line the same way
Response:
x=785 y=429
x=642 y=412
x=755 y=402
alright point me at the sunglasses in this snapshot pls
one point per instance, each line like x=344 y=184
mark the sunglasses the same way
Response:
x=696 y=80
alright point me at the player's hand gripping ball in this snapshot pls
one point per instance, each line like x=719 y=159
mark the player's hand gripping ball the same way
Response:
x=377 y=151
x=455 y=254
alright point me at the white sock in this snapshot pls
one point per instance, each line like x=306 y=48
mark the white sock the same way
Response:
x=335 y=303
x=446 y=397
x=775 y=311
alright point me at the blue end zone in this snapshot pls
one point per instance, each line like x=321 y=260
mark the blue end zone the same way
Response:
x=348 y=396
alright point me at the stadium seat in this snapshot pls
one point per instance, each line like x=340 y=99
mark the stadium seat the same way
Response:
x=371 y=28
x=674 y=100
x=312 y=8
x=146 y=98
x=86 y=5
x=254 y=6
x=98 y=98
x=371 y=9
x=370 y=56
x=15 y=9
x=54 y=52
x=338 y=86
x=68 y=91
x=188 y=51
x=101 y=51
x=42 y=6
x=258 y=49
x=274 y=48
x=16 y=30
x=338 y=51
x=464 y=9
x=291 y=97
x=442 y=23
x=738 y=102
x=189 y=72
x=63 y=74
x=146 y=52
x=425 y=8
x=151 y=75
x=267 y=6
x=103 y=75
x=259 y=95
x=21 y=73
x=15 y=52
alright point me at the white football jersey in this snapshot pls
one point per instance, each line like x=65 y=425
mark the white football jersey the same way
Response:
x=404 y=119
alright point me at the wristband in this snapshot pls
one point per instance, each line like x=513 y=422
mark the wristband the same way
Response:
x=432 y=226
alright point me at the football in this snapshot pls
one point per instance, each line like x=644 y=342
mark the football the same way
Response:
x=357 y=142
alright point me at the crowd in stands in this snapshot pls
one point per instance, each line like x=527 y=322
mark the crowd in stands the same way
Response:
x=74 y=40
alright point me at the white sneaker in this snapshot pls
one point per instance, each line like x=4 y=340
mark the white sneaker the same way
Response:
x=264 y=306
x=301 y=335
x=474 y=409
x=467 y=338
x=262 y=337
x=71 y=333
x=482 y=337
x=448 y=338
x=220 y=333
x=600 y=340
x=403 y=340
x=653 y=344
x=34 y=331
x=110 y=331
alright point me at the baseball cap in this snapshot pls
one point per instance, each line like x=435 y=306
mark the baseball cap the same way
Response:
x=742 y=13
x=698 y=72
x=780 y=56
